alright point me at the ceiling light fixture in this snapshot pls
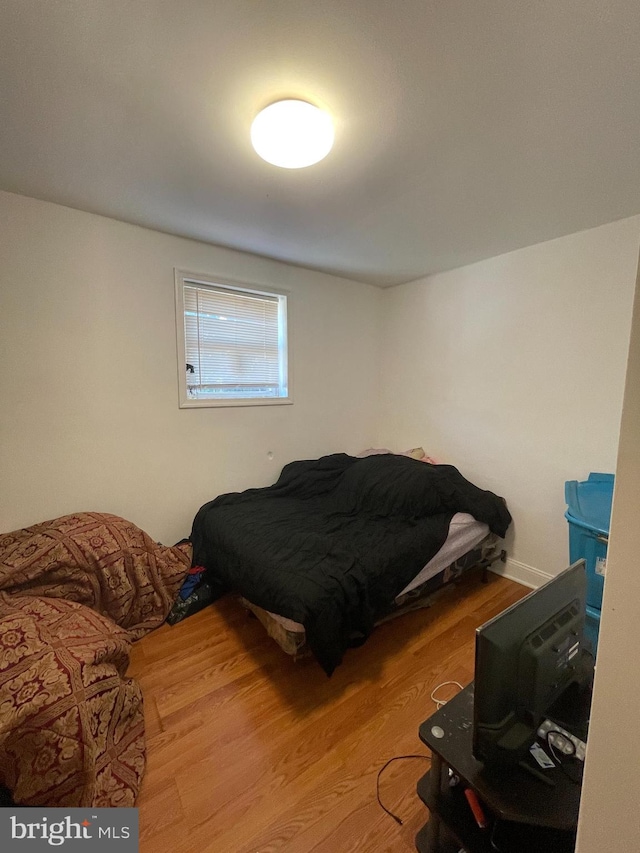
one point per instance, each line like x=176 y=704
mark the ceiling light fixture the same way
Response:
x=292 y=134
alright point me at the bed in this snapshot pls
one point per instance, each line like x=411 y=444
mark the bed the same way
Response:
x=341 y=542
x=468 y=545
x=74 y=593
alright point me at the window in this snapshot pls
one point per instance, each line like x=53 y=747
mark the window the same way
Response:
x=232 y=343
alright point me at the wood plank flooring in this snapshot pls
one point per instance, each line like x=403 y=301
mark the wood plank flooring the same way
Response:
x=251 y=752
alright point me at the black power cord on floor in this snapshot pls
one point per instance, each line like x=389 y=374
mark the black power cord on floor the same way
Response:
x=384 y=767
x=438 y=703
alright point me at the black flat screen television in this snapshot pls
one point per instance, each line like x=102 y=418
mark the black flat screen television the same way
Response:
x=527 y=657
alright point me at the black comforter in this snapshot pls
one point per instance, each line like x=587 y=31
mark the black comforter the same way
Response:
x=335 y=539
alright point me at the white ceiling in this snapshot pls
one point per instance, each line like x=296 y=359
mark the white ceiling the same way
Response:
x=464 y=128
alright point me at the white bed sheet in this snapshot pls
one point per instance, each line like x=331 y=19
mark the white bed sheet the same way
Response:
x=464 y=534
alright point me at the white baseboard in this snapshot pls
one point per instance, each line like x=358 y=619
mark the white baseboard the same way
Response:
x=514 y=570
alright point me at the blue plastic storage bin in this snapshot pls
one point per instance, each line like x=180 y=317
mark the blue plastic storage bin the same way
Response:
x=589 y=501
x=589 y=515
x=590 y=545
x=592 y=628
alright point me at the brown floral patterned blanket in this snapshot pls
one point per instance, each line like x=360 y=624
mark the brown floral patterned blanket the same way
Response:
x=74 y=593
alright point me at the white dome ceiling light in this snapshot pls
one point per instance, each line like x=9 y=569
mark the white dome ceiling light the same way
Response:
x=292 y=134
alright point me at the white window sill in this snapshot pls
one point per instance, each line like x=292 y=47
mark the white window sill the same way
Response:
x=248 y=401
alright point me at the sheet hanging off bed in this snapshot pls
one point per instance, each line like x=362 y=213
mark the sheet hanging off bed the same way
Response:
x=334 y=541
x=465 y=532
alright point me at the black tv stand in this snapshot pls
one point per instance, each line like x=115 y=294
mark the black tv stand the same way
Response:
x=537 y=774
x=524 y=814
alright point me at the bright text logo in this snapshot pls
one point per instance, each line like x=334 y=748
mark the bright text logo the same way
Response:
x=76 y=830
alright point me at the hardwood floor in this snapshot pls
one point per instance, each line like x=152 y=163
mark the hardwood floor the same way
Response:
x=251 y=752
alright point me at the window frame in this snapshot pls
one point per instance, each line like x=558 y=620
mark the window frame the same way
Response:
x=183 y=277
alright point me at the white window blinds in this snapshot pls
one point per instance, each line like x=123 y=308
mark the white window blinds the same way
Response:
x=234 y=343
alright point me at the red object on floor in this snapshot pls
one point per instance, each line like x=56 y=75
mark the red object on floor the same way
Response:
x=476 y=808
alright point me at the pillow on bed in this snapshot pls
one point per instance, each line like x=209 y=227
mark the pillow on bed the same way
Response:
x=414 y=453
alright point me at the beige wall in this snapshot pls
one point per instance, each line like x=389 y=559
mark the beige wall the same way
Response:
x=513 y=369
x=89 y=416
x=610 y=815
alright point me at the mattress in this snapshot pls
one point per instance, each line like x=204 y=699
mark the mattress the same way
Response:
x=468 y=542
